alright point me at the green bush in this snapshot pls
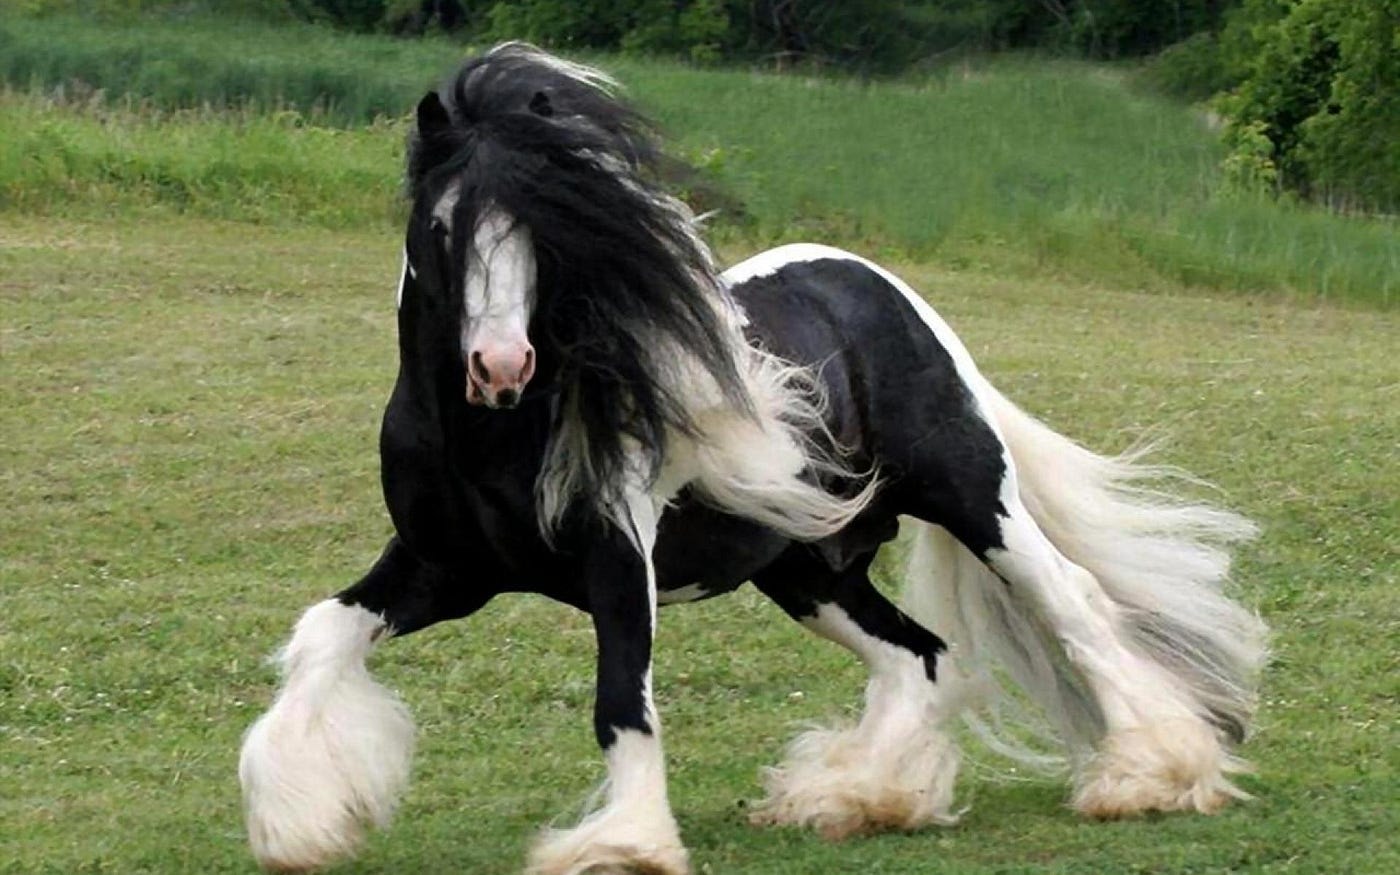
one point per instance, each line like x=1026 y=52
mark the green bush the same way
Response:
x=362 y=15
x=866 y=36
x=1351 y=148
x=1192 y=69
x=1249 y=169
x=695 y=30
x=1323 y=87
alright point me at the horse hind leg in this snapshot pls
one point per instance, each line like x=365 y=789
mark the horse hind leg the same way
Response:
x=896 y=768
x=1158 y=750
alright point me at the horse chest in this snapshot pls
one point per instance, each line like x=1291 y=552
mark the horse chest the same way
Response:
x=504 y=514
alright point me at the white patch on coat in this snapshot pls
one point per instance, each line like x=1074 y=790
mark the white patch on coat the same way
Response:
x=770 y=262
x=1110 y=582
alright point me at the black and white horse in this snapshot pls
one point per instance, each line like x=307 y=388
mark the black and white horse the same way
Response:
x=588 y=409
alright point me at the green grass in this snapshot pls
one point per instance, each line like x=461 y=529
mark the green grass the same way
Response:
x=1029 y=167
x=245 y=165
x=187 y=62
x=189 y=459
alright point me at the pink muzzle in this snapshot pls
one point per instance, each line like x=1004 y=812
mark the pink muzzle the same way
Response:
x=497 y=373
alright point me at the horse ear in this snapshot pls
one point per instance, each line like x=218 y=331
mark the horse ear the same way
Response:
x=432 y=115
x=540 y=105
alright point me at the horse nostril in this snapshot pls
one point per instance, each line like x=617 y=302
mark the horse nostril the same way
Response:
x=479 y=367
x=528 y=370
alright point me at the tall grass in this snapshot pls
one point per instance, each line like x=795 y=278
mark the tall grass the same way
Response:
x=176 y=62
x=1013 y=165
x=246 y=165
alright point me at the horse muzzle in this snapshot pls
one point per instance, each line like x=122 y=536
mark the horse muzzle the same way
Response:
x=497 y=375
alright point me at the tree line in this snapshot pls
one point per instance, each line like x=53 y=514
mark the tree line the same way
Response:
x=1309 y=89
x=874 y=36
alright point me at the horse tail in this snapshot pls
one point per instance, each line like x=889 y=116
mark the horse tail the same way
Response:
x=1160 y=559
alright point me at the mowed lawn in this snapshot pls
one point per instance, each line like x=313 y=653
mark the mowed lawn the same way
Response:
x=189 y=429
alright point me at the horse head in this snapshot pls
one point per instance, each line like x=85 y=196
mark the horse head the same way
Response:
x=547 y=260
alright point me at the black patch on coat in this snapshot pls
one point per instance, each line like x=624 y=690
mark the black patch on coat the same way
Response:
x=896 y=399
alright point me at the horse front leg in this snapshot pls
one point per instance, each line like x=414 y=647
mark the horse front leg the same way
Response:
x=634 y=831
x=331 y=756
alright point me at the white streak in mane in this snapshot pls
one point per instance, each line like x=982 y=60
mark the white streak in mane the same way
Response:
x=759 y=459
x=447 y=204
x=405 y=274
x=585 y=75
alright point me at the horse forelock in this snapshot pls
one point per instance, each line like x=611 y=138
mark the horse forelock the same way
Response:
x=629 y=306
x=516 y=82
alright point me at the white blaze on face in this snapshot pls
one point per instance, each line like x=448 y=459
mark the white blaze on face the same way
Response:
x=500 y=288
x=498 y=299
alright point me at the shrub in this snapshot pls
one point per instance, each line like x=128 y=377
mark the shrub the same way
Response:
x=1192 y=69
x=1249 y=168
x=1324 y=89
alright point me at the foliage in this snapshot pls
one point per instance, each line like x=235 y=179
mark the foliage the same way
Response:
x=1351 y=147
x=692 y=29
x=1324 y=87
x=869 y=36
x=110 y=10
x=1111 y=28
x=1249 y=168
x=1193 y=69
x=362 y=15
x=861 y=35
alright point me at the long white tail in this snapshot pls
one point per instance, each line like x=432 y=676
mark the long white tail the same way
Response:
x=1161 y=560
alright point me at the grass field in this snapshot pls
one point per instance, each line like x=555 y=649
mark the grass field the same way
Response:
x=190 y=414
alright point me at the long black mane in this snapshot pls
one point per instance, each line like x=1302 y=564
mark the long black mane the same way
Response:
x=625 y=287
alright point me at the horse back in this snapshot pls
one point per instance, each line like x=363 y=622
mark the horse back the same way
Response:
x=901 y=390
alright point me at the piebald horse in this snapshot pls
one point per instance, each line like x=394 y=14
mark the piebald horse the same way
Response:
x=586 y=407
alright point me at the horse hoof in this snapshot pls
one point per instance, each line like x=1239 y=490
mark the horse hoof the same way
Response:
x=1177 y=766
x=843 y=784
x=613 y=841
